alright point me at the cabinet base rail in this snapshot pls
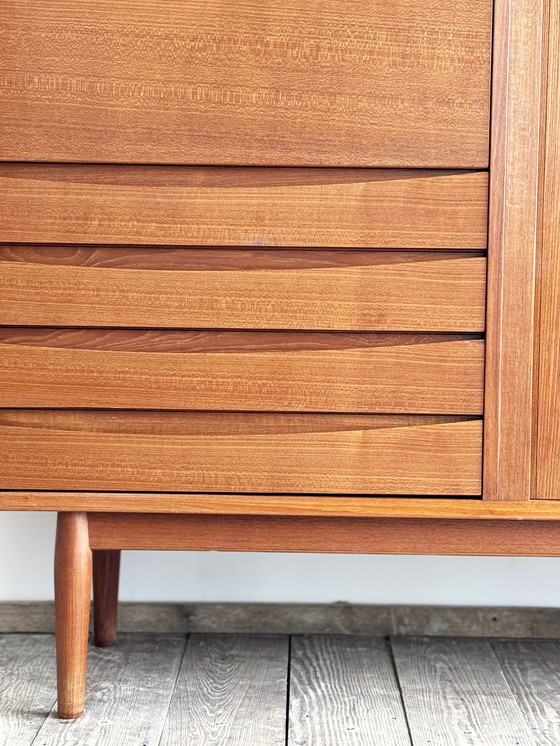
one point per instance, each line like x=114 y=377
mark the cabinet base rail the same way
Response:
x=88 y=548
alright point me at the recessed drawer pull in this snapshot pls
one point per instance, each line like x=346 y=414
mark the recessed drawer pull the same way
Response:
x=166 y=205
x=266 y=371
x=236 y=289
x=239 y=452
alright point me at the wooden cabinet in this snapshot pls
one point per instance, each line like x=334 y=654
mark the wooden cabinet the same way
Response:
x=277 y=276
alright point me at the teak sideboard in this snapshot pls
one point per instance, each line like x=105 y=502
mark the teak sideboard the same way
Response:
x=277 y=276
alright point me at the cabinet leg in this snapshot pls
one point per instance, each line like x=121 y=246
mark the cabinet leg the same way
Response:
x=72 y=592
x=106 y=567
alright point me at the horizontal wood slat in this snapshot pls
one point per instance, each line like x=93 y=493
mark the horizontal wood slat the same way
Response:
x=290 y=371
x=464 y=510
x=320 y=534
x=234 y=452
x=300 y=82
x=360 y=208
x=258 y=289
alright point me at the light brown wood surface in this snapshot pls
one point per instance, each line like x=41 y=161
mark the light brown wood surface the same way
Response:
x=282 y=505
x=318 y=534
x=72 y=591
x=512 y=250
x=297 y=83
x=235 y=452
x=439 y=374
x=547 y=483
x=360 y=208
x=236 y=289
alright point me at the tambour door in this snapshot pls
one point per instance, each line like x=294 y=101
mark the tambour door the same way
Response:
x=243 y=246
x=292 y=83
x=327 y=360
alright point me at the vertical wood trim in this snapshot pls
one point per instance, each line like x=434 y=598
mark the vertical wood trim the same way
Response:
x=547 y=464
x=512 y=247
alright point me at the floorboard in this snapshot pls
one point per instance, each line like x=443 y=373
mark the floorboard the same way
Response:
x=265 y=690
x=27 y=686
x=231 y=691
x=455 y=694
x=532 y=670
x=129 y=690
x=343 y=690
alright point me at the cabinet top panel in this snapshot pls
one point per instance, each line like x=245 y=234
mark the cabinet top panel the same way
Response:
x=389 y=83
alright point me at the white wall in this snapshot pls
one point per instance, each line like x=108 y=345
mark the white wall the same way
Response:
x=26 y=558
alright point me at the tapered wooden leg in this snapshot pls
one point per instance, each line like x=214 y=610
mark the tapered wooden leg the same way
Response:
x=106 y=567
x=72 y=592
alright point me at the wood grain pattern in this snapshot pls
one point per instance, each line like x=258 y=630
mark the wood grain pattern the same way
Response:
x=281 y=505
x=129 y=691
x=303 y=83
x=455 y=694
x=241 y=371
x=72 y=594
x=236 y=289
x=131 y=684
x=27 y=686
x=547 y=483
x=235 y=452
x=531 y=670
x=231 y=690
x=343 y=690
x=511 y=538
x=305 y=619
x=106 y=571
x=352 y=208
x=512 y=249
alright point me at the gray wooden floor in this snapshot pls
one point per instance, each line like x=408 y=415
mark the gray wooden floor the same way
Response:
x=312 y=690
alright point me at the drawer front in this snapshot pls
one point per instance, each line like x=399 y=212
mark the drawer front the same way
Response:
x=343 y=208
x=301 y=82
x=233 y=452
x=264 y=371
x=322 y=290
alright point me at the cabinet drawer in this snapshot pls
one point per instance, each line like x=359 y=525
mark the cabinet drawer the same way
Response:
x=237 y=289
x=264 y=371
x=343 y=208
x=298 y=82
x=234 y=452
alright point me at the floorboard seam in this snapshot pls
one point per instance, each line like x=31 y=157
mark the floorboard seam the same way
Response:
x=401 y=693
x=36 y=736
x=168 y=708
x=288 y=691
